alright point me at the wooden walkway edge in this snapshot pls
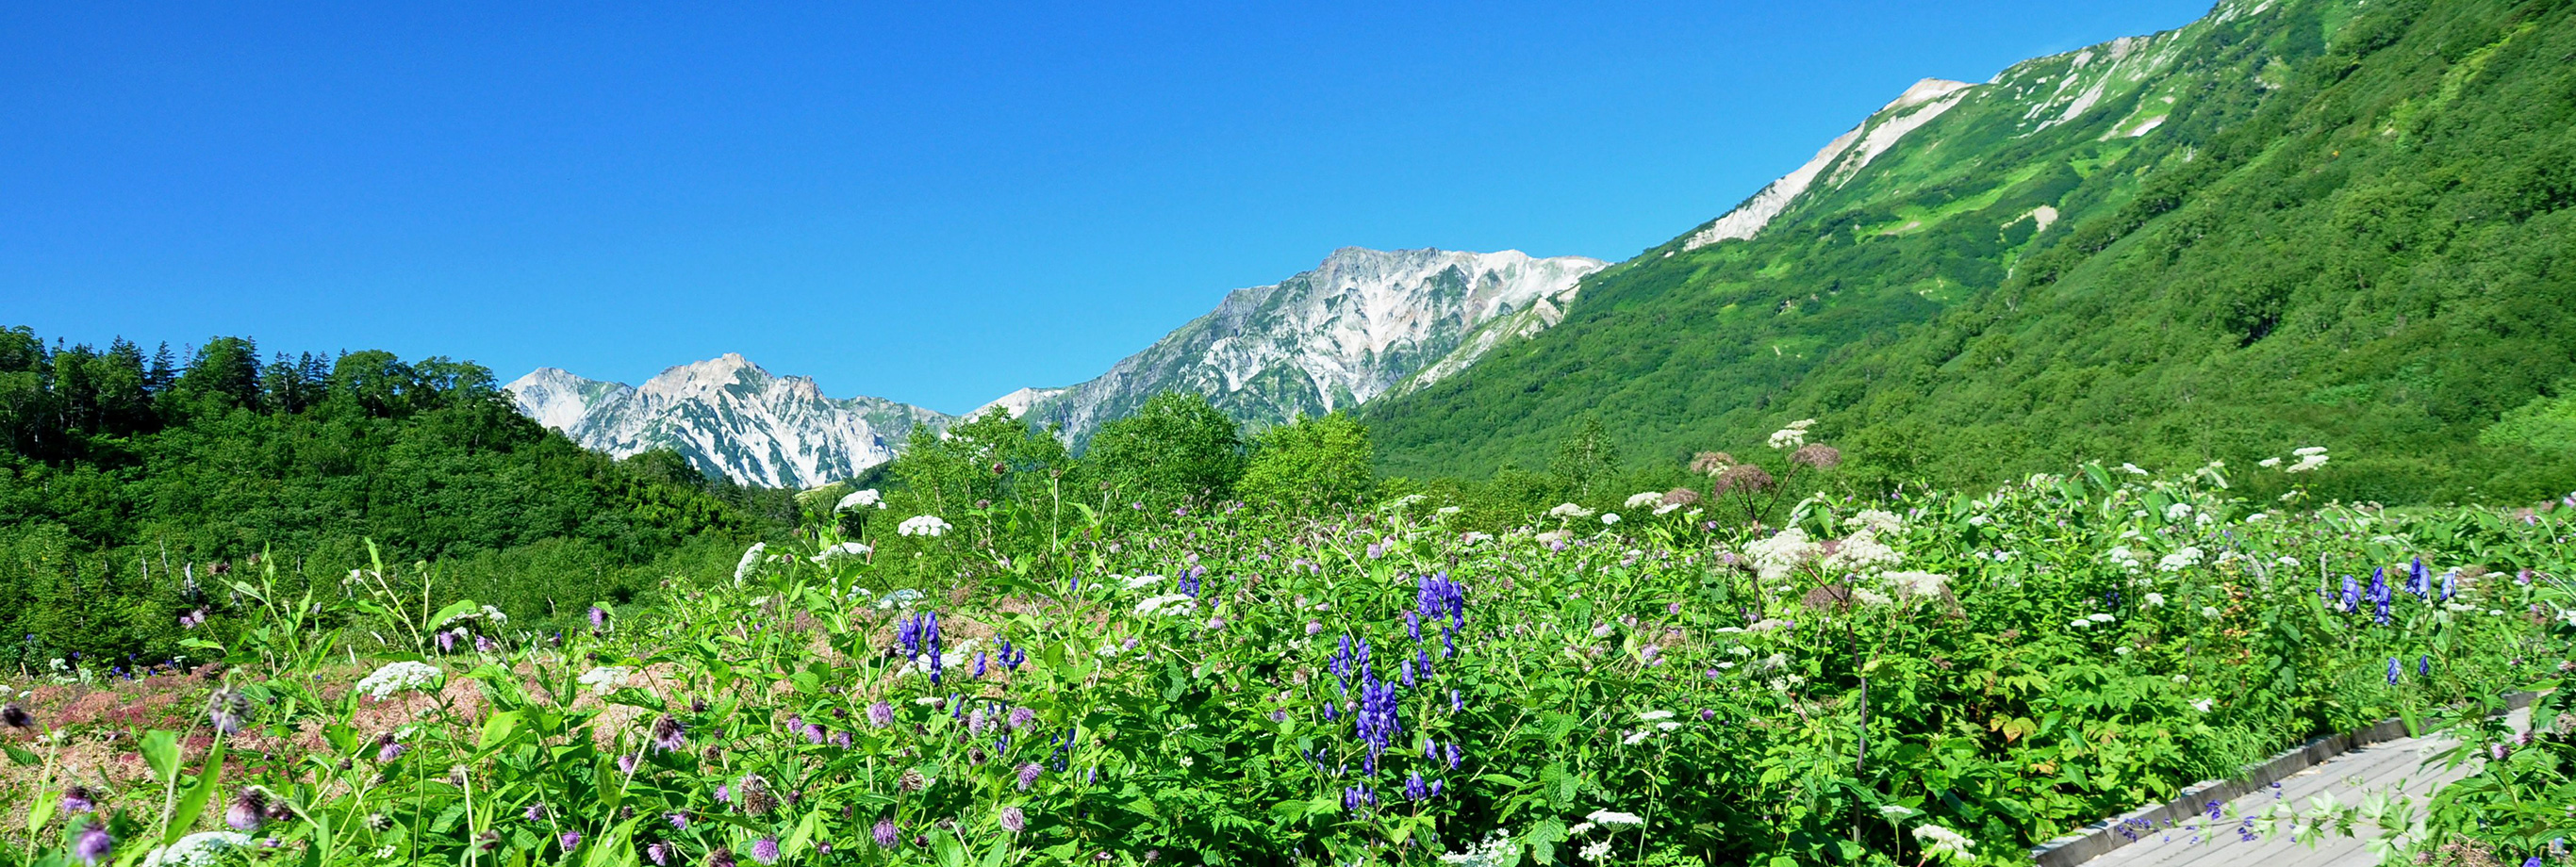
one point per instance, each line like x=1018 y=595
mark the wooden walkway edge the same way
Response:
x=2106 y=836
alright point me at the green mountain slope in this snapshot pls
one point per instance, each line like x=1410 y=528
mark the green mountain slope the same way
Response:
x=2288 y=223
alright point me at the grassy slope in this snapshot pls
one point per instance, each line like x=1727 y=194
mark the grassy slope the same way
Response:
x=2350 y=228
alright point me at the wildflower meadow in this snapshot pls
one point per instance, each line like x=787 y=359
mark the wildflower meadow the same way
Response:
x=1708 y=675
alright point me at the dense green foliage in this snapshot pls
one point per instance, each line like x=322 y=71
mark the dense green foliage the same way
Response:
x=130 y=486
x=1315 y=463
x=2350 y=227
x=1178 y=448
x=1244 y=686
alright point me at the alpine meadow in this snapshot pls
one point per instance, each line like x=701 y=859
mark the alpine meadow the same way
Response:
x=2164 y=451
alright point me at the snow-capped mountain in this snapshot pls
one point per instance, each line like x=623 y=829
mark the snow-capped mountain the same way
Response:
x=727 y=416
x=1362 y=324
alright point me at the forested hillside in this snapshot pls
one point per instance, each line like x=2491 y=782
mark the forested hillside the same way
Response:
x=133 y=488
x=2287 y=224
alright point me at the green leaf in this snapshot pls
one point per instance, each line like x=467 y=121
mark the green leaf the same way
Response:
x=161 y=751
x=1543 y=837
x=24 y=758
x=193 y=802
x=449 y=613
x=42 y=811
x=804 y=833
x=497 y=728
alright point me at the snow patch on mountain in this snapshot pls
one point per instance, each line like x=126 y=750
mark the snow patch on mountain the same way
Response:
x=1851 y=151
x=1355 y=327
x=728 y=417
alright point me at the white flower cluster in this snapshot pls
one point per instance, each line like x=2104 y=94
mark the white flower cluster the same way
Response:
x=1878 y=522
x=399 y=676
x=2124 y=558
x=1775 y=557
x=1943 y=843
x=1169 y=603
x=860 y=500
x=1793 y=436
x=750 y=561
x=1862 y=552
x=1615 y=819
x=1497 y=851
x=196 y=850
x=1645 y=499
x=605 y=678
x=1919 y=585
x=2179 y=560
x=2307 y=458
x=842 y=551
x=922 y=525
x=1569 y=510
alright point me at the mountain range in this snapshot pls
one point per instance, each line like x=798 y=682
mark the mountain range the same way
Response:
x=2287 y=223
x=1364 y=323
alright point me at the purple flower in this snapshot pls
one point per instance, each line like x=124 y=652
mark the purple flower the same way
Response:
x=389 y=749
x=1021 y=717
x=228 y=710
x=669 y=735
x=483 y=644
x=886 y=834
x=1416 y=788
x=2533 y=861
x=1455 y=755
x=2214 y=807
x=93 y=844
x=248 y=810
x=841 y=739
x=77 y=800
x=814 y=734
x=534 y=813
x=598 y=617
x=1314 y=627
x=2393 y=671
x=979 y=663
x=571 y=840
x=447 y=642
x=765 y=850
x=724 y=793
x=679 y=821
x=881 y=714
x=1029 y=774
x=1013 y=820
x=658 y=852
x=626 y=763
x=2423 y=666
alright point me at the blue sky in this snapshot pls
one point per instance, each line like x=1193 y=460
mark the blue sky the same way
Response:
x=933 y=202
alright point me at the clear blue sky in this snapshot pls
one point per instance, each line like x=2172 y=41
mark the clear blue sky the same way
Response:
x=933 y=202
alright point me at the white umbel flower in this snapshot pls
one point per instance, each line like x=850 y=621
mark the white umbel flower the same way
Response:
x=922 y=525
x=1775 y=557
x=1793 y=436
x=1943 y=843
x=861 y=500
x=1609 y=518
x=1615 y=818
x=1645 y=499
x=842 y=551
x=196 y=850
x=605 y=678
x=1569 y=510
x=750 y=561
x=399 y=676
x=1169 y=603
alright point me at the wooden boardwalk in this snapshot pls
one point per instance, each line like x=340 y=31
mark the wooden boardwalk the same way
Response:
x=2391 y=767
